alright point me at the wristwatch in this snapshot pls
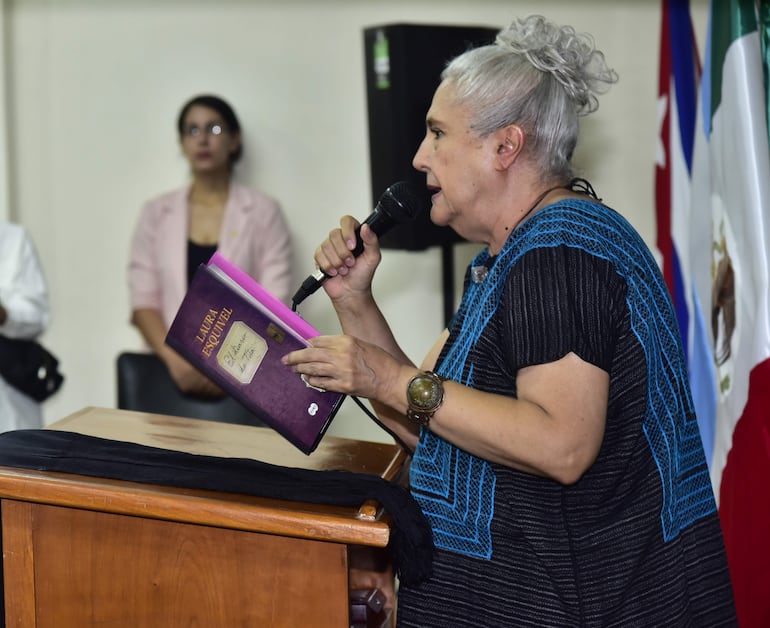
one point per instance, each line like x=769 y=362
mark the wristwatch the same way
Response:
x=424 y=395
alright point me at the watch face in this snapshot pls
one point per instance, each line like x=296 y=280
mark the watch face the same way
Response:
x=425 y=392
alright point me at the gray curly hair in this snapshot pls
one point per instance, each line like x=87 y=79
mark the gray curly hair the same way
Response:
x=539 y=76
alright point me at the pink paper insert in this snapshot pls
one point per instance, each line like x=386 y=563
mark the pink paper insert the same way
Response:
x=276 y=306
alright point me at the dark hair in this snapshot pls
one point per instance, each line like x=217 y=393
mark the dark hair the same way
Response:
x=222 y=108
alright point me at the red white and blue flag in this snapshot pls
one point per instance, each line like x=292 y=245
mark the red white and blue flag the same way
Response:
x=679 y=80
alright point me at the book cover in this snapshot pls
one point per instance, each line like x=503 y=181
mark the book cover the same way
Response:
x=235 y=332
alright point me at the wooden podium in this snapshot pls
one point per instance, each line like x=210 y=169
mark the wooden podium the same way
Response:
x=82 y=551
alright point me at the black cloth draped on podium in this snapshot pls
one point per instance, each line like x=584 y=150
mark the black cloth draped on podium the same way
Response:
x=411 y=543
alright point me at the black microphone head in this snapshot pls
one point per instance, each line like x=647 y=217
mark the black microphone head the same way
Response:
x=401 y=202
x=404 y=201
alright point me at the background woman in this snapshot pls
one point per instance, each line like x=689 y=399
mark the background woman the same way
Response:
x=181 y=229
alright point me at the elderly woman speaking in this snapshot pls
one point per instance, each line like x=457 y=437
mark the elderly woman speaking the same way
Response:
x=555 y=449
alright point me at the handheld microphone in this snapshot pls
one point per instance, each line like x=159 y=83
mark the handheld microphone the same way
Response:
x=401 y=202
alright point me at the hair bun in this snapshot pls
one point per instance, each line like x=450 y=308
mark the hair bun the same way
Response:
x=570 y=57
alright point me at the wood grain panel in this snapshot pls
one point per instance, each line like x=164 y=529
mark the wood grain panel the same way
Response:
x=18 y=562
x=98 y=569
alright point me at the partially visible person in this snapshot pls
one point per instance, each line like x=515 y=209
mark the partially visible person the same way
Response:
x=556 y=451
x=181 y=229
x=24 y=314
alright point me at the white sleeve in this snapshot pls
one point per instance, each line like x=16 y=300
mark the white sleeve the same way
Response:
x=23 y=289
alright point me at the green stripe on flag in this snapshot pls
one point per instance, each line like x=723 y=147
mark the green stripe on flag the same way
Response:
x=730 y=20
x=764 y=38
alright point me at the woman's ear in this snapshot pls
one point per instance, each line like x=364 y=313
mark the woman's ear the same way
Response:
x=235 y=143
x=510 y=143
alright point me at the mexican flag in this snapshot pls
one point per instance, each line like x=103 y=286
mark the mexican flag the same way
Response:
x=729 y=271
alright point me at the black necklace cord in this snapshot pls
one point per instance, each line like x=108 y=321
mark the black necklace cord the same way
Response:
x=582 y=186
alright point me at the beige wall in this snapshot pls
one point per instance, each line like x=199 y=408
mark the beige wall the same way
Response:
x=5 y=210
x=93 y=88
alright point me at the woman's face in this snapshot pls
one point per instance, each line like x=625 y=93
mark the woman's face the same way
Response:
x=457 y=163
x=207 y=142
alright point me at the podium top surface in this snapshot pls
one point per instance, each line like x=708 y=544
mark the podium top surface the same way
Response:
x=362 y=525
x=228 y=440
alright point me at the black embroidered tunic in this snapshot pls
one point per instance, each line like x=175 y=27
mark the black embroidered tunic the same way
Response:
x=636 y=541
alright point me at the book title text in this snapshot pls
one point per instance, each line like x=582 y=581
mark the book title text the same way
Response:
x=211 y=329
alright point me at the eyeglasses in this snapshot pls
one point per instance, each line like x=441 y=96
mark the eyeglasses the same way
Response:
x=210 y=129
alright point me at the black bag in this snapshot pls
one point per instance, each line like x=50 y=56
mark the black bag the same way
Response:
x=29 y=367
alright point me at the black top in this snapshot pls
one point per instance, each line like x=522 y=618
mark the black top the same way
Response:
x=198 y=254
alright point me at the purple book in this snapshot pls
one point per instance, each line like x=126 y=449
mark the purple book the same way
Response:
x=234 y=332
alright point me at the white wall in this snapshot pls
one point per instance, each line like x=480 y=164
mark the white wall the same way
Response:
x=5 y=209
x=93 y=91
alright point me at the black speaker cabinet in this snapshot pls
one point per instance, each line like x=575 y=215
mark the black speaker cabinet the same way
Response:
x=403 y=68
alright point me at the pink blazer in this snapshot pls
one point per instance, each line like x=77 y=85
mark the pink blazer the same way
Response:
x=254 y=236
